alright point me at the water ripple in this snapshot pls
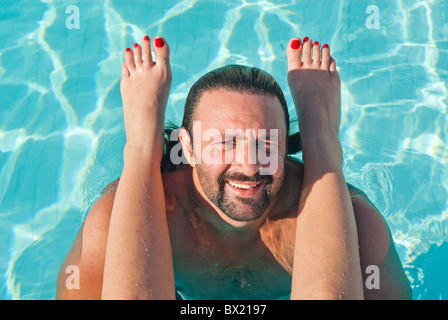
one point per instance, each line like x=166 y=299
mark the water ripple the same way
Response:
x=62 y=110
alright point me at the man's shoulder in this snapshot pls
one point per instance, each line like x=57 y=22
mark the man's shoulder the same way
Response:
x=181 y=174
x=355 y=193
x=170 y=179
x=175 y=184
x=111 y=187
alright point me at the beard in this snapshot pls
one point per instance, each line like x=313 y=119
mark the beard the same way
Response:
x=240 y=208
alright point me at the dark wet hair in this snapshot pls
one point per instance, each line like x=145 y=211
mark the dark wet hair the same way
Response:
x=235 y=78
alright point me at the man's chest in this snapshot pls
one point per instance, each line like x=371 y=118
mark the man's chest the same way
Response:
x=206 y=269
x=197 y=278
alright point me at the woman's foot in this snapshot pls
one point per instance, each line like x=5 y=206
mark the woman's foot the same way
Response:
x=316 y=89
x=145 y=86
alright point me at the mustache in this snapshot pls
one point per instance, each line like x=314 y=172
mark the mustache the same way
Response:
x=238 y=176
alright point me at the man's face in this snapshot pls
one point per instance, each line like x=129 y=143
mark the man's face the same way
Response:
x=239 y=148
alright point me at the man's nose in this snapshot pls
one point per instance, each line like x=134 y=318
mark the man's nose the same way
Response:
x=246 y=158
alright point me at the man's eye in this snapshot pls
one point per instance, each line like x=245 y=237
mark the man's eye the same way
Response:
x=229 y=144
x=224 y=145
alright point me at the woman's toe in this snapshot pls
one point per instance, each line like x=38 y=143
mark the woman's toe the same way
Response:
x=294 y=54
x=332 y=65
x=124 y=71
x=147 y=55
x=129 y=60
x=307 y=47
x=316 y=55
x=162 y=50
x=325 y=57
x=138 y=55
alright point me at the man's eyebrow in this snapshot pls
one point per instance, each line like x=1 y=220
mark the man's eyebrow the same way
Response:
x=262 y=134
x=235 y=133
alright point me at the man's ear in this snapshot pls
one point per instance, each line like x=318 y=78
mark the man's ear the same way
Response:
x=187 y=146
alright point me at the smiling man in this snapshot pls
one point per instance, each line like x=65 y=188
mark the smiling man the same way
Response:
x=237 y=218
x=233 y=179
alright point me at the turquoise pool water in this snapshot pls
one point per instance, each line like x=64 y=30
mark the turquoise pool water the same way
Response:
x=61 y=130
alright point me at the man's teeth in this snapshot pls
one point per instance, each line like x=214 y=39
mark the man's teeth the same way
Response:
x=243 y=186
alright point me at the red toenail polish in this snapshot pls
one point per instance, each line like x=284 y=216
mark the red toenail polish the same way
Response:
x=295 y=44
x=127 y=49
x=135 y=45
x=316 y=43
x=159 y=42
x=306 y=39
x=325 y=46
x=146 y=38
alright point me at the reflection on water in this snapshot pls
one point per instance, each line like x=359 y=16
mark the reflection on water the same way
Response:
x=430 y=270
x=61 y=131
